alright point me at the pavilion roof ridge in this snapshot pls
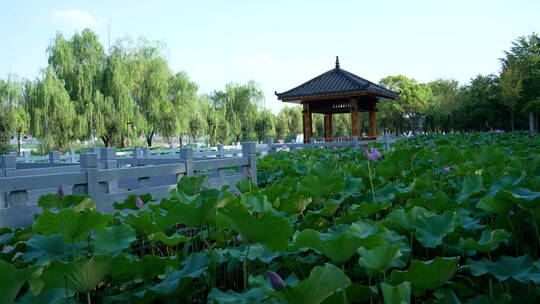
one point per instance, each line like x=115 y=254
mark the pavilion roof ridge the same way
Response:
x=335 y=81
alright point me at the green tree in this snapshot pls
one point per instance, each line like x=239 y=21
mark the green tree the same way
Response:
x=183 y=95
x=264 y=125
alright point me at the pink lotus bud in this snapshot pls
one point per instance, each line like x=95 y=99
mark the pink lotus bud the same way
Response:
x=249 y=172
x=276 y=281
x=511 y=212
x=138 y=202
x=60 y=192
x=239 y=239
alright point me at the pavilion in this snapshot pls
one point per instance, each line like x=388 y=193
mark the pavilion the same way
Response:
x=334 y=92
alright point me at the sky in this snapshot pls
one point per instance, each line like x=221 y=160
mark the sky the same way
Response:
x=281 y=44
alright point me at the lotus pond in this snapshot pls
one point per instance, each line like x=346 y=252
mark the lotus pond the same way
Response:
x=439 y=219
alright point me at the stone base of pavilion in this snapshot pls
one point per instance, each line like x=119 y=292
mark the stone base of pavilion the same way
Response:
x=340 y=139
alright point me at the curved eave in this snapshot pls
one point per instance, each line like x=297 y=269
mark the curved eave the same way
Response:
x=336 y=96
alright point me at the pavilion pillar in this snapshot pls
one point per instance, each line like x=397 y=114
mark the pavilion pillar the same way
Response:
x=373 y=120
x=355 y=118
x=328 y=131
x=308 y=131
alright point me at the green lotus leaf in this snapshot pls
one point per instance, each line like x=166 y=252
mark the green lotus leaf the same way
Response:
x=405 y=221
x=81 y=275
x=494 y=205
x=193 y=214
x=486 y=156
x=113 y=240
x=11 y=281
x=471 y=185
x=73 y=226
x=172 y=240
x=78 y=202
x=127 y=267
x=246 y=186
x=526 y=197
x=354 y=293
x=294 y=204
x=191 y=185
x=380 y=257
x=518 y=268
x=448 y=154
x=252 y=296
x=429 y=275
x=398 y=294
x=489 y=241
x=258 y=203
x=177 y=281
x=321 y=283
x=46 y=247
x=270 y=229
x=129 y=202
x=446 y=296
x=142 y=221
x=433 y=228
x=51 y=296
x=339 y=247
x=321 y=188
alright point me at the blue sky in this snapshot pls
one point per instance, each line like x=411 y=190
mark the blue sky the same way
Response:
x=280 y=44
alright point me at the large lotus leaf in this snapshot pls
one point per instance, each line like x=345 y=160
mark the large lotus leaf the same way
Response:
x=489 y=241
x=446 y=296
x=113 y=240
x=354 y=293
x=142 y=221
x=486 y=156
x=78 y=202
x=178 y=280
x=191 y=185
x=518 y=268
x=433 y=228
x=294 y=204
x=11 y=281
x=321 y=283
x=526 y=197
x=256 y=251
x=51 y=296
x=270 y=229
x=192 y=214
x=258 y=203
x=353 y=186
x=429 y=275
x=81 y=274
x=384 y=194
x=126 y=267
x=172 y=240
x=246 y=186
x=502 y=183
x=448 y=154
x=339 y=247
x=398 y=294
x=276 y=191
x=73 y=226
x=471 y=185
x=323 y=169
x=46 y=247
x=321 y=187
x=380 y=257
x=405 y=221
x=493 y=205
x=252 y=296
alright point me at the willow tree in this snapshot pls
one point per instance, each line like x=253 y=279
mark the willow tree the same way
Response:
x=264 y=124
x=52 y=113
x=183 y=95
x=80 y=63
x=115 y=112
x=240 y=104
x=151 y=88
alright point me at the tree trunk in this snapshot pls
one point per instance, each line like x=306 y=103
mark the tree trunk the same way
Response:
x=149 y=139
x=19 y=143
x=106 y=141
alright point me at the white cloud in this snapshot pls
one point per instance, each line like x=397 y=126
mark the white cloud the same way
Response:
x=75 y=18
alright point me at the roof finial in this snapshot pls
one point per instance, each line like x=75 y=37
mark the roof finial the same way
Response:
x=337 y=62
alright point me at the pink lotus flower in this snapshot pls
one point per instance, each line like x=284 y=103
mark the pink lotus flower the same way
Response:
x=447 y=169
x=372 y=154
x=431 y=144
x=276 y=280
x=139 y=202
x=60 y=192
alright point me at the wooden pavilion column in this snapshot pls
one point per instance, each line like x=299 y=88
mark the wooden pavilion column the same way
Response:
x=355 y=118
x=306 y=117
x=328 y=131
x=373 y=120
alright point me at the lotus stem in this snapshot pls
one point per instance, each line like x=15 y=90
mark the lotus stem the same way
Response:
x=371 y=181
x=246 y=267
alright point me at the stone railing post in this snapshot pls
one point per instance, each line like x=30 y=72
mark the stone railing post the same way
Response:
x=146 y=152
x=26 y=156
x=270 y=146
x=137 y=153
x=221 y=150
x=356 y=140
x=54 y=157
x=249 y=150
x=89 y=165
x=8 y=165
x=186 y=156
x=108 y=159
x=72 y=156
x=386 y=140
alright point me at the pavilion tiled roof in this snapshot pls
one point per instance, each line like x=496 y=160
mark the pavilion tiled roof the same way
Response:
x=335 y=82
